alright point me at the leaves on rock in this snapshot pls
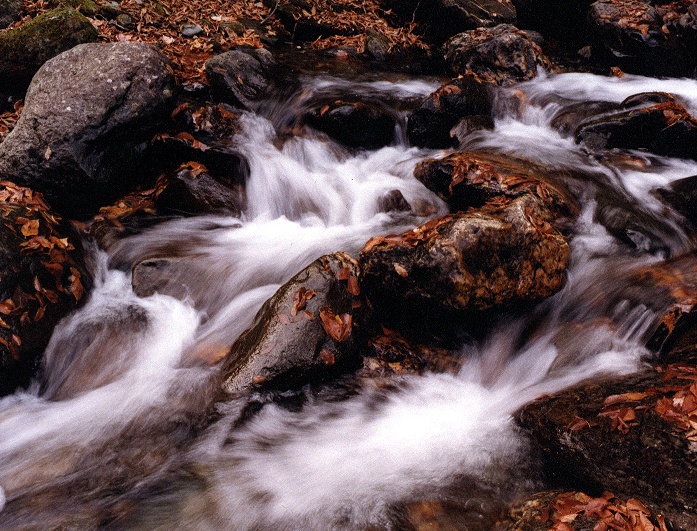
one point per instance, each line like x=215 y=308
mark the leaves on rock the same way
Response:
x=300 y=299
x=338 y=327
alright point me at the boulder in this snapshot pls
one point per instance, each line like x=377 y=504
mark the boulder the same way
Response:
x=89 y=115
x=633 y=35
x=503 y=55
x=431 y=125
x=444 y=18
x=9 y=12
x=243 y=76
x=503 y=255
x=307 y=330
x=25 y=48
x=44 y=277
x=193 y=192
x=356 y=124
x=631 y=435
x=666 y=129
x=682 y=196
x=578 y=511
x=471 y=179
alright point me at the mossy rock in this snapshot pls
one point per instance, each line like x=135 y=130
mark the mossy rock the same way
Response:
x=24 y=49
x=90 y=8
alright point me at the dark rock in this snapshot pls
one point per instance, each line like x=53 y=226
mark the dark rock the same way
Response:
x=500 y=256
x=124 y=20
x=629 y=435
x=92 y=9
x=192 y=192
x=244 y=76
x=393 y=201
x=564 y=20
x=568 y=119
x=307 y=330
x=682 y=196
x=664 y=129
x=469 y=180
x=503 y=55
x=431 y=124
x=9 y=12
x=389 y=354
x=577 y=511
x=25 y=48
x=377 y=45
x=160 y=275
x=631 y=32
x=355 y=124
x=44 y=277
x=309 y=20
x=444 y=18
x=88 y=117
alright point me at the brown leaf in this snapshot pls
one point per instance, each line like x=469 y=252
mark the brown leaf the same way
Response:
x=327 y=357
x=626 y=397
x=353 y=287
x=337 y=327
x=300 y=299
x=30 y=228
x=343 y=274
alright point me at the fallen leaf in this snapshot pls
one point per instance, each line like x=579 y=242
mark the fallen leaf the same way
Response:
x=337 y=327
x=30 y=228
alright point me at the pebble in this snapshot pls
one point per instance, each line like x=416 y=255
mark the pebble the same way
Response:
x=191 y=30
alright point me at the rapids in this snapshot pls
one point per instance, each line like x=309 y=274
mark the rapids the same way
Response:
x=115 y=434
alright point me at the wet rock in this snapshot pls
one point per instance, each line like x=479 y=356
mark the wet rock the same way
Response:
x=503 y=55
x=634 y=37
x=89 y=115
x=9 y=12
x=44 y=278
x=469 y=180
x=389 y=354
x=355 y=124
x=682 y=196
x=244 y=76
x=577 y=511
x=503 y=256
x=160 y=275
x=192 y=192
x=568 y=119
x=630 y=435
x=393 y=201
x=307 y=330
x=25 y=48
x=431 y=124
x=377 y=45
x=664 y=129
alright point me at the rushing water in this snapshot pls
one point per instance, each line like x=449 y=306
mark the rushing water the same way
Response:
x=114 y=435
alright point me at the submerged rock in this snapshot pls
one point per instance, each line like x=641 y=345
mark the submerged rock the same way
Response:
x=431 y=124
x=24 y=49
x=355 y=124
x=307 y=330
x=630 y=435
x=89 y=115
x=44 y=277
x=503 y=256
x=503 y=55
x=682 y=196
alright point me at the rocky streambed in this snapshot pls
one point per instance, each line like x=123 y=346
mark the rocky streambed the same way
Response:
x=442 y=287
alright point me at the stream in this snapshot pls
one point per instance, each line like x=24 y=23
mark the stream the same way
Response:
x=115 y=436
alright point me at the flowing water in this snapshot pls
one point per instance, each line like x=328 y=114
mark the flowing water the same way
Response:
x=116 y=434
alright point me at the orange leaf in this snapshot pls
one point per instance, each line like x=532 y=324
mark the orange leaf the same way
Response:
x=337 y=327
x=30 y=228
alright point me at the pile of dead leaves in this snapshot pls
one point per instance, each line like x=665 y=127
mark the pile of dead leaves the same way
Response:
x=607 y=512
x=675 y=402
x=57 y=276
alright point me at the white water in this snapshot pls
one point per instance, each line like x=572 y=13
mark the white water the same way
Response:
x=126 y=385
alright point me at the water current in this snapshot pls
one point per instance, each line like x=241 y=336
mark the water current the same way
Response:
x=114 y=435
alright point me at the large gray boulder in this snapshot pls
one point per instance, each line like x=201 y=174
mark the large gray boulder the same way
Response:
x=24 y=49
x=89 y=115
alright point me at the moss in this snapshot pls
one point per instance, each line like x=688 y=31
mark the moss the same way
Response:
x=24 y=49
